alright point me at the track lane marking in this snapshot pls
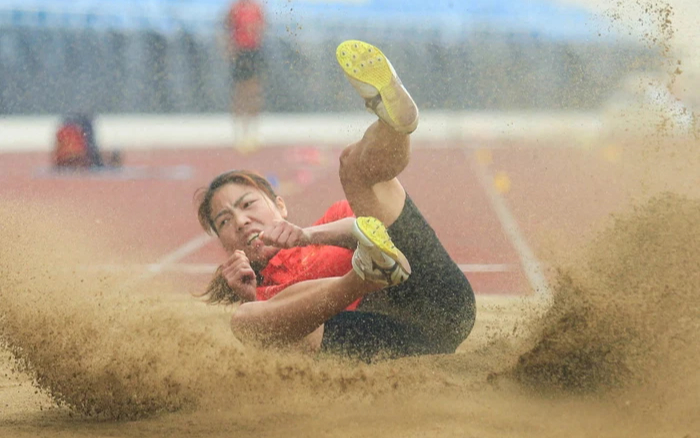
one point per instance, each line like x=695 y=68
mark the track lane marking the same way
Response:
x=528 y=260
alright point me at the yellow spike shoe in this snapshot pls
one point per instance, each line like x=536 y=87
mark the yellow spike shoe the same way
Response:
x=372 y=75
x=376 y=258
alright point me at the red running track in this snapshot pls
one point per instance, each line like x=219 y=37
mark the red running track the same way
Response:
x=149 y=205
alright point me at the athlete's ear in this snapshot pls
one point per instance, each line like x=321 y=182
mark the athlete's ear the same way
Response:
x=281 y=206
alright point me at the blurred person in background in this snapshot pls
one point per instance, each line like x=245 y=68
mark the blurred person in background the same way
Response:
x=370 y=279
x=244 y=32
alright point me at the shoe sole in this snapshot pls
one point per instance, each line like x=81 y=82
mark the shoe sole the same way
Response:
x=366 y=63
x=372 y=232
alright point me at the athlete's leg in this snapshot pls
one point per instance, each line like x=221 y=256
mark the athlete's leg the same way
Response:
x=253 y=99
x=253 y=92
x=437 y=299
x=368 y=171
x=247 y=98
x=368 y=168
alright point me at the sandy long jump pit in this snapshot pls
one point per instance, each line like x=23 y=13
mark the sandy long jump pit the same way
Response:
x=89 y=353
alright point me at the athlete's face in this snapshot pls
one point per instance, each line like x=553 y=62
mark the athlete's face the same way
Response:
x=239 y=212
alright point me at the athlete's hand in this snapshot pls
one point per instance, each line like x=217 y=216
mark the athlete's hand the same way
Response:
x=283 y=234
x=239 y=276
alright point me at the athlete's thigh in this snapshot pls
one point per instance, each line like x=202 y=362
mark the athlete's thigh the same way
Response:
x=369 y=336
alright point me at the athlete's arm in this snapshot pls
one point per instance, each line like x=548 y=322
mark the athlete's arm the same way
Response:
x=284 y=234
x=299 y=310
x=337 y=233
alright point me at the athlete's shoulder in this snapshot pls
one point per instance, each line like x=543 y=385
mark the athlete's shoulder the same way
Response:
x=339 y=210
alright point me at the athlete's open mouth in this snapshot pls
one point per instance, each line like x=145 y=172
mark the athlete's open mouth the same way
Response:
x=252 y=237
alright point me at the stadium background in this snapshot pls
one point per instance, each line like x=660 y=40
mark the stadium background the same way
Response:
x=164 y=57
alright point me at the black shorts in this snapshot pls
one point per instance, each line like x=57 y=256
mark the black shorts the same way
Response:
x=248 y=64
x=431 y=313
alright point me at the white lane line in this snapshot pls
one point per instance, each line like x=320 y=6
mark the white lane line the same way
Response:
x=180 y=253
x=152 y=269
x=530 y=264
x=149 y=271
x=209 y=268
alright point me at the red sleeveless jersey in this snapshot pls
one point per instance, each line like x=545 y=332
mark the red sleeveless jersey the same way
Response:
x=293 y=265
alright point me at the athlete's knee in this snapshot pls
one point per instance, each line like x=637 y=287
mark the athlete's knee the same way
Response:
x=350 y=170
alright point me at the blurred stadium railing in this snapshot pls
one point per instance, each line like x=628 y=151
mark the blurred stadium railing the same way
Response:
x=162 y=56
